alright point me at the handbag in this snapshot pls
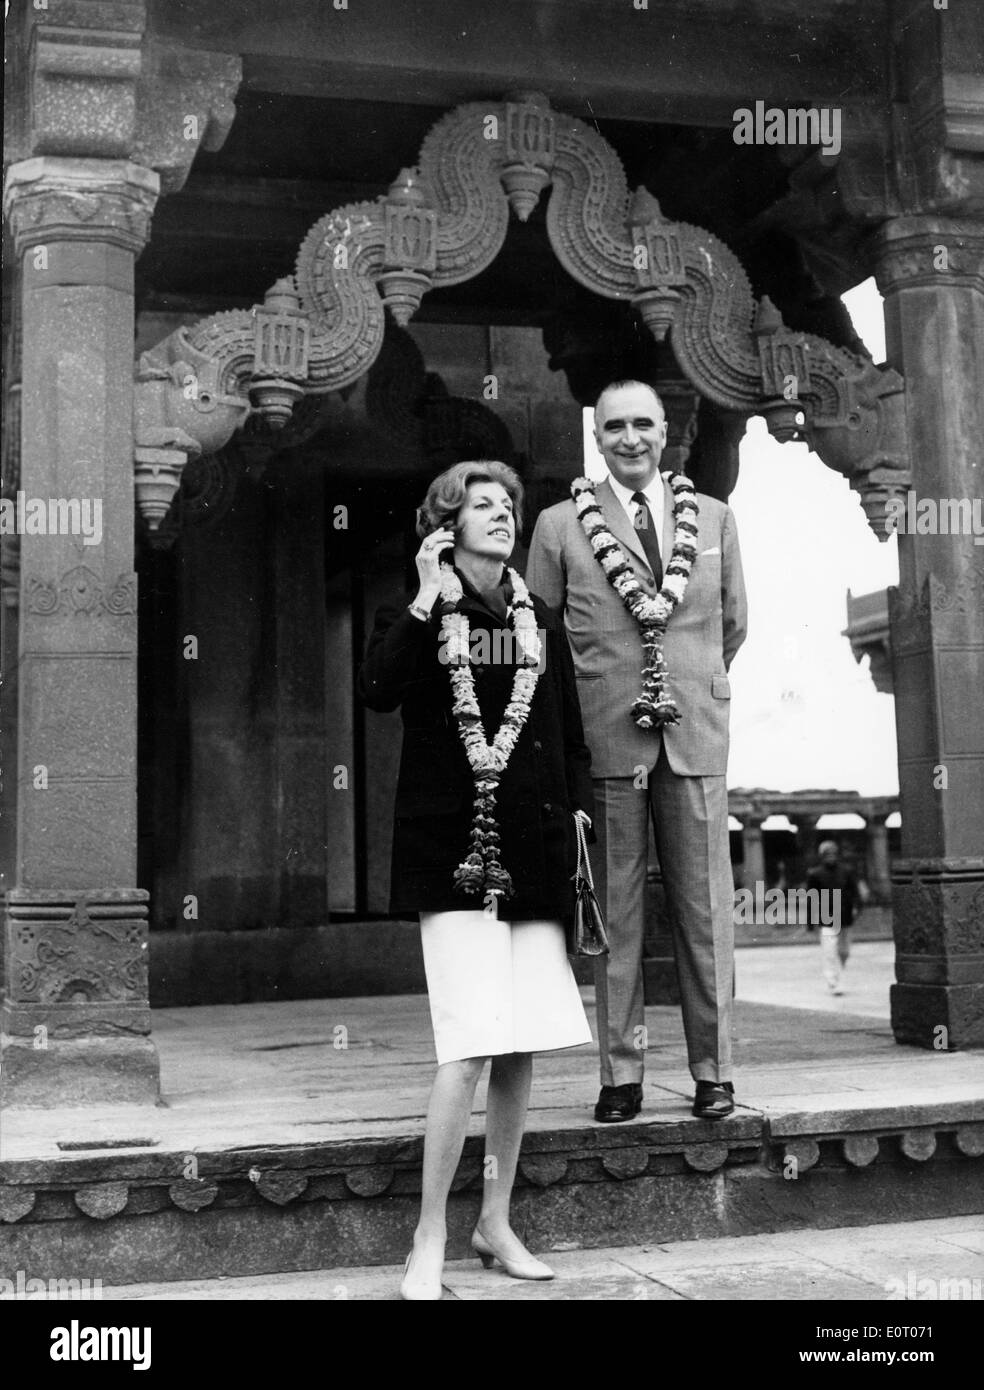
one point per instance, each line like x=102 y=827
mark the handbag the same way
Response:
x=586 y=934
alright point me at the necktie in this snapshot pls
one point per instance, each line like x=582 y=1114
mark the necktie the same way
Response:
x=646 y=528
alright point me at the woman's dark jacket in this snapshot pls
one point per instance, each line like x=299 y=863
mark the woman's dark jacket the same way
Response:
x=547 y=778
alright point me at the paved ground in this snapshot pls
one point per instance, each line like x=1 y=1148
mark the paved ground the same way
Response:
x=919 y=1260
x=305 y=1071
x=790 y=975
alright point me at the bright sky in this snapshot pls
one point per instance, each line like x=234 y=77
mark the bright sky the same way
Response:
x=804 y=713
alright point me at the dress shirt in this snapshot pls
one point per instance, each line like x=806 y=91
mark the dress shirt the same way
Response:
x=654 y=495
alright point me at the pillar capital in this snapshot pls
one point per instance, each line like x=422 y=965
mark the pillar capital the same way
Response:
x=929 y=251
x=57 y=199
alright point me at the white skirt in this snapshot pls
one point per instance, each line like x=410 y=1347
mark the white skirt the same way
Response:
x=499 y=987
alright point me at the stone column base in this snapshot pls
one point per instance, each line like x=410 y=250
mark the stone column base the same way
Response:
x=944 y=1017
x=78 y=1072
x=76 y=1021
x=939 y=963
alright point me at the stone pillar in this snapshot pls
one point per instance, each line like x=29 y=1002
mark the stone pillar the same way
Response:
x=807 y=840
x=713 y=461
x=76 y=1020
x=302 y=780
x=9 y=584
x=753 y=850
x=876 y=847
x=931 y=271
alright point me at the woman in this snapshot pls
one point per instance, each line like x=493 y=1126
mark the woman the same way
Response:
x=492 y=770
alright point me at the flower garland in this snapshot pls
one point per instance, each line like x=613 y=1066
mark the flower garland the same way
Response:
x=654 y=707
x=481 y=869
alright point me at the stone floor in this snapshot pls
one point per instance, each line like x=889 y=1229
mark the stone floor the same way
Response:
x=289 y=1073
x=924 y=1260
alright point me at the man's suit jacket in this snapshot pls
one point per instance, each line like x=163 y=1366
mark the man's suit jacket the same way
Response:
x=702 y=636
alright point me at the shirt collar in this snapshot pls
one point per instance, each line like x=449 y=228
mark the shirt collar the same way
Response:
x=653 y=491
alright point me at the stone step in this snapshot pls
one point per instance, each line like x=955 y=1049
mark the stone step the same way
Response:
x=130 y=1216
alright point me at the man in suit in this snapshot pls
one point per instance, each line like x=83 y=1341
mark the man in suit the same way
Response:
x=674 y=776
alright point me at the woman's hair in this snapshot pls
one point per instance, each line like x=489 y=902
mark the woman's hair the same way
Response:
x=447 y=492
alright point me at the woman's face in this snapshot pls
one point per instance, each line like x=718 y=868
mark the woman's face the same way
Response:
x=485 y=524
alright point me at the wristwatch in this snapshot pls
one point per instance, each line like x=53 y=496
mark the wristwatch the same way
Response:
x=420 y=613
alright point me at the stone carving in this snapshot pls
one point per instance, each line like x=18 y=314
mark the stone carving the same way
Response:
x=193 y=1194
x=98 y=86
x=705 y=1158
x=85 y=953
x=444 y=223
x=625 y=1163
x=335 y=281
x=860 y=1149
x=804 y=1152
x=937 y=610
x=280 y=1188
x=460 y=168
x=102 y=1200
x=81 y=591
x=969 y=1140
x=15 y=1202
x=918 y=1144
x=939 y=914
x=189 y=396
x=369 y=1182
x=280 y=366
x=185 y=101
x=60 y=199
x=543 y=1170
x=72 y=107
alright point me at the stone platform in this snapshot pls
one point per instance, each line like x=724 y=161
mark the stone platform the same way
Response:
x=291 y=1138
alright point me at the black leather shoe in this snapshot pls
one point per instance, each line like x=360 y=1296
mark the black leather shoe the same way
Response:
x=618 y=1103
x=714 y=1100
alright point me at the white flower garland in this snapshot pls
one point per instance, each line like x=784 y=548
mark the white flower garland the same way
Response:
x=481 y=870
x=654 y=707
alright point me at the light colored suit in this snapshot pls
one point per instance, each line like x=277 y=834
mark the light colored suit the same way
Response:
x=676 y=777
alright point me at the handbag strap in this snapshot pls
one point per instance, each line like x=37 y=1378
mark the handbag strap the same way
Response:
x=583 y=861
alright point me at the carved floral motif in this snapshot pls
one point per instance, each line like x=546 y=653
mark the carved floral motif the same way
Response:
x=81 y=591
x=89 y=952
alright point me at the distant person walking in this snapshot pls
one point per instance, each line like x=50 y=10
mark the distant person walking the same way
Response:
x=841 y=900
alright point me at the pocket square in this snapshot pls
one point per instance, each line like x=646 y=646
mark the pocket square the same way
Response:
x=714 y=550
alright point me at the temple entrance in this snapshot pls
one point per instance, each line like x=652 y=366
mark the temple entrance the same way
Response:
x=254 y=433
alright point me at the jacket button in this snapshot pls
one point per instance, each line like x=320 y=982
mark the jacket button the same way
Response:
x=548 y=807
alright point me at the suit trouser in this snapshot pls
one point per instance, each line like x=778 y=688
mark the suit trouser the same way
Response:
x=690 y=821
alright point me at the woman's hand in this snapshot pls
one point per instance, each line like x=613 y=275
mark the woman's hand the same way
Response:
x=428 y=566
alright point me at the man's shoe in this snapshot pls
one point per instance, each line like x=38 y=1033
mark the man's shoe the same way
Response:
x=714 y=1100
x=618 y=1103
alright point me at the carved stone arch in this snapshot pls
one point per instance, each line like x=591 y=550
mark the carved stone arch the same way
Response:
x=446 y=220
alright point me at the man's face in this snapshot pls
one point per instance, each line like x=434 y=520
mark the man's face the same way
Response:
x=829 y=856
x=630 y=431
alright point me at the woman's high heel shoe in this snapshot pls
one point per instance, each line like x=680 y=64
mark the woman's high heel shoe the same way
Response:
x=419 y=1290
x=530 y=1268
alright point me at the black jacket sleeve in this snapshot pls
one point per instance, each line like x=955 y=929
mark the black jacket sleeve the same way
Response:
x=395 y=658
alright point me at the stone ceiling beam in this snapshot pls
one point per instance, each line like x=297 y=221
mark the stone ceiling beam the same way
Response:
x=621 y=62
